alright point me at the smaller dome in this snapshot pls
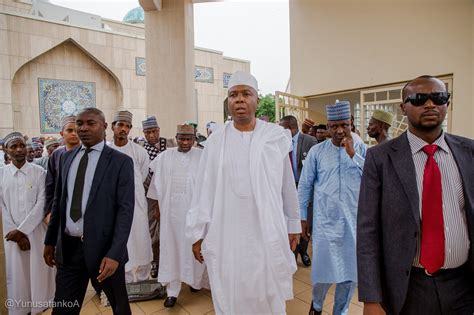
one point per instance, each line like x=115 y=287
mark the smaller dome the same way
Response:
x=135 y=16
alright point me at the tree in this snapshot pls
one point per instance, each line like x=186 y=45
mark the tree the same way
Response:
x=266 y=107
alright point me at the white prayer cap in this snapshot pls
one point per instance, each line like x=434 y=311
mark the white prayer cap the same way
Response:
x=11 y=137
x=243 y=78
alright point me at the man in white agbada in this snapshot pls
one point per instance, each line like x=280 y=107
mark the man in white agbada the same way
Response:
x=172 y=185
x=22 y=202
x=139 y=242
x=244 y=214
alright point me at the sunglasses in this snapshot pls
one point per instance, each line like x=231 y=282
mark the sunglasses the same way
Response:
x=419 y=99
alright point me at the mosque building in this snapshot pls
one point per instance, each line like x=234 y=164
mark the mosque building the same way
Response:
x=55 y=61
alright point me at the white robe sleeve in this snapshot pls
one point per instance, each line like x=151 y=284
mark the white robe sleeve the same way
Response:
x=144 y=163
x=200 y=212
x=7 y=221
x=152 y=194
x=156 y=167
x=359 y=156
x=36 y=214
x=306 y=184
x=290 y=199
x=2 y=202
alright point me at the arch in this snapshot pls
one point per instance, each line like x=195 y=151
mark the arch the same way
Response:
x=84 y=50
x=61 y=79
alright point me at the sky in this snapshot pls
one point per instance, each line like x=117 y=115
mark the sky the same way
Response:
x=255 y=30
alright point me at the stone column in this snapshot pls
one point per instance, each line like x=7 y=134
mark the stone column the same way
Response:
x=169 y=46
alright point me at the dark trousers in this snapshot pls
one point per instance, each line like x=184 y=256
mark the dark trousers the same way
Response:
x=72 y=278
x=302 y=247
x=448 y=293
x=153 y=223
x=154 y=226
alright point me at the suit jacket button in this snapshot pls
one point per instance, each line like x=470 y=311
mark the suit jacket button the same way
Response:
x=416 y=234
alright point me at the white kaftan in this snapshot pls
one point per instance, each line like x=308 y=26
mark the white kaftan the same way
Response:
x=29 y=279
x=172 y=185
x=245 y=206
x=139 y=242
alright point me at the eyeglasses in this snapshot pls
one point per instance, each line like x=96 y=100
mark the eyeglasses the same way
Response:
x=419 y=99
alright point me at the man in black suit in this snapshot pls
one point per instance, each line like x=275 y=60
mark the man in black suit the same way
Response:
x=91 y=218
x=301 y=143
x=320 y=132
x=415 y=225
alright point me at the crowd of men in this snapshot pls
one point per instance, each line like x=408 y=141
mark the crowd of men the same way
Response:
x=234 y=214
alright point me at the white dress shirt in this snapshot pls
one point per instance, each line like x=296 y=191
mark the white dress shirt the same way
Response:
x=77 y=228
x=21 y=197
x=454 y=215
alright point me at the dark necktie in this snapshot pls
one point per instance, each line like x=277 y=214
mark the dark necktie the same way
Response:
x=432 y=223
x=76 y=204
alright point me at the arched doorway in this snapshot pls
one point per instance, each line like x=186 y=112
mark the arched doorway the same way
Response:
x=59 y=82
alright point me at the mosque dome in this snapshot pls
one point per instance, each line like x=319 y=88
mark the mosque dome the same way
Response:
x=135 y=16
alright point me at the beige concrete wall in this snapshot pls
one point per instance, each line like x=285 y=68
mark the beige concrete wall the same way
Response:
x=131 y=29
x=64 y=62
x=22 y=6
x=211 y=96
x=340 y=45
x=24 y=38
x=3 y=273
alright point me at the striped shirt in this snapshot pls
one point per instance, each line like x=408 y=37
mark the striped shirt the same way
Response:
x=454 y=215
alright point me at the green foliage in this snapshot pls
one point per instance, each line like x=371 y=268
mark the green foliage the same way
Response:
x=266 y=107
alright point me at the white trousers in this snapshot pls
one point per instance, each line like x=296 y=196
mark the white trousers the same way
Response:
x=141 y=273
x=173 y=288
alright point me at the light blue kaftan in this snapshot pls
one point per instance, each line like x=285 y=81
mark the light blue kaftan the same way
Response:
x=335 y=178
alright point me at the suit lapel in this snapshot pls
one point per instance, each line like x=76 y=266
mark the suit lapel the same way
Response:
x=405 y=168
x=64 y=174
x=65 y=170
x=299 y=148
x=100 y=170
x=463 y=157
x=67 y=165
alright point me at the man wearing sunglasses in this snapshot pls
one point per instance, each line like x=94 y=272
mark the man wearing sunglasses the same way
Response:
x=416 y=219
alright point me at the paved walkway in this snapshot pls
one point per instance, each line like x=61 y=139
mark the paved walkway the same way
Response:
x=200 y=303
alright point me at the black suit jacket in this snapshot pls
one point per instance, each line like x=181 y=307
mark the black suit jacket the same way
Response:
x=109 y=211
x=51 y=176
x=388 y=221
x=304 y=144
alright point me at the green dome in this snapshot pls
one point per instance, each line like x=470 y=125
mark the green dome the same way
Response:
x=135 y=16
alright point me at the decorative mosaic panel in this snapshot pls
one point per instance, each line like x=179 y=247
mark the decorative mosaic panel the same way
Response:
x=225 y=78
x=203 y=74
x=59 y=98
x=140 y=66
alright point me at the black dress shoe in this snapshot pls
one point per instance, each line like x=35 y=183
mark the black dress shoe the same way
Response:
x=306 y=260
x=170 y=301
x=154 y=270
x=313 y=311
x=194 y=290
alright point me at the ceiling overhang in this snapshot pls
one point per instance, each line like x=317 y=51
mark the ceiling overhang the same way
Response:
x=152 y=5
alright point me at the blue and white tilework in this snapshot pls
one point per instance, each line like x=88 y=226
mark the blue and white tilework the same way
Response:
x=203 y=74
x=140 y=66
x=59 y=98
x=225 y=78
